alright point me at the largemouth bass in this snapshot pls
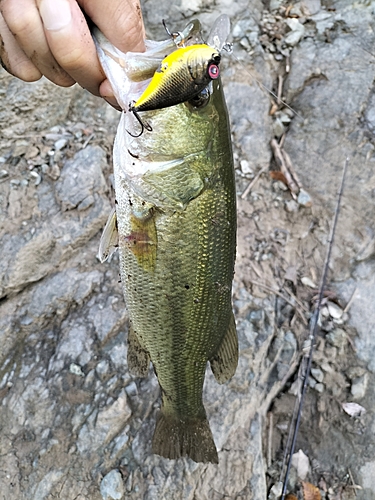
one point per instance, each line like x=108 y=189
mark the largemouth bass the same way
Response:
x=176 y=220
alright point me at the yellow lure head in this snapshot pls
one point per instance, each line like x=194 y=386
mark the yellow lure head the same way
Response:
x=180 y=77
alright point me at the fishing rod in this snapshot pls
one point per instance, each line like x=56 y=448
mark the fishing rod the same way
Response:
x=313 y=331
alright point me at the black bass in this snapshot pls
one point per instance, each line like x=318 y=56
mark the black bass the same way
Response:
x=176 y=220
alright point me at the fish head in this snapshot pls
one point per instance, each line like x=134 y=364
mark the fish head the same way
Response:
x=176 y=130
x=187 y=128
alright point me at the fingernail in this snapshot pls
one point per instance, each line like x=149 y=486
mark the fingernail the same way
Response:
x=112 y=101
x=55 y=14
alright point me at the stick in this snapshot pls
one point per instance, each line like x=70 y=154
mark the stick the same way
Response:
x=351 y=300
x=353 y=483
x=280 y=89
x=276 y=292
x=270 y=433
x=280 y=160
x=252 y=183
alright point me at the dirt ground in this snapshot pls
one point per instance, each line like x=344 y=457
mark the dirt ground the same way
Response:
x=74 y=424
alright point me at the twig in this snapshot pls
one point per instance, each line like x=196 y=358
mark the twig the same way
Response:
x=280 y=89
x=273 y=392
x=297 y=300
x=313 y=329
x=252 y=183
x=351 y=300
x=290 y=168
x=270 y=435
x=255 y=269
x=282 y=163
x=355 y=486
x=88 y=140
x=276 y=292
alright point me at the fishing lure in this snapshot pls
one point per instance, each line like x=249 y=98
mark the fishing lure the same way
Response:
x=181 y=77
x=184 y=74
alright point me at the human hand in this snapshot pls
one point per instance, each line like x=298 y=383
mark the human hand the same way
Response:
x=52 y=38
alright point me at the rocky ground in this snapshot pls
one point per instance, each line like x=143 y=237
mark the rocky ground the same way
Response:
x=74 y=423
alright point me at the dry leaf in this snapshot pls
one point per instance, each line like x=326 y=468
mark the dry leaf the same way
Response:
x=291 y=496
x=291 y=275
x=276 y=175
x=311 y=492
x=353 y=409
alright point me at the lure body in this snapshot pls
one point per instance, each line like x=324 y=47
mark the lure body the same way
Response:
x=181 y=76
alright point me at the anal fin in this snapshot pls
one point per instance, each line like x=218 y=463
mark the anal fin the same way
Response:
x=138 y=358
x=225 y=360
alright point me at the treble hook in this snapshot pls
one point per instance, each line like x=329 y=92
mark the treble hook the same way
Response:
x=177 y=37
x=167 y=29
x=144 y=125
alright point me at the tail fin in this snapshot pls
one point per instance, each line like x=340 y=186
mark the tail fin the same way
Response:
x=175 y=438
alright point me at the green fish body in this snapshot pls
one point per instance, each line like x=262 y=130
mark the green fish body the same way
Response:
x=176 y=221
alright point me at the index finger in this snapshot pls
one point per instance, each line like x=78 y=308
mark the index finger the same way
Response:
x=70 y=42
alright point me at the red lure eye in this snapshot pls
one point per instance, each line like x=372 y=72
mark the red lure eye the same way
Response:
x=213 y=71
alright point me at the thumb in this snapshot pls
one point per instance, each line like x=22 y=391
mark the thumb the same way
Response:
x=119 y=20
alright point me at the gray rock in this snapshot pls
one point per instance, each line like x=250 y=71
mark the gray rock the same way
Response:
x=46 y=484
x=60 y=144
x=319 y=388
x=291 y=206
x=360 y=316
x=251 y=125
x=359 y=386
x=310 y=7
x=317 y=374
x=36 y=106
x=81 y=177
x=337 y=338
x=112 y=486
x=297 y=31
x=304 y=198
x=57 y=236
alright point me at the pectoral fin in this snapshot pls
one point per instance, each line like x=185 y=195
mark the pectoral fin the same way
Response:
x=138 y=358
x=142 y=241
x=224 y=362
x=109 y=240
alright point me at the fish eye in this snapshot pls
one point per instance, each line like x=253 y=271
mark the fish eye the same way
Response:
x=200 y=100
x=213 y=71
